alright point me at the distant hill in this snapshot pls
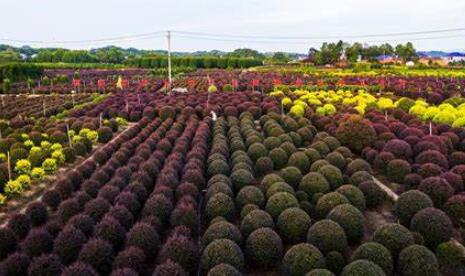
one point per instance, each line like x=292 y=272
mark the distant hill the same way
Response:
x=437 y=54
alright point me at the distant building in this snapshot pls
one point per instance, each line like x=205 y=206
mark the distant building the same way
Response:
x=387 y=59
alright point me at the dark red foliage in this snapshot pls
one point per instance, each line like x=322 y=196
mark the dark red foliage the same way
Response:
x=83 y=223
x=37 y=213
x=99 y=254
x=20 y=224
x=97 y=208
x=132 y=257
x=52 y=198
x=45 y=265
x=37 y=242
x=68 y=243
x=7 y=242
x=15 y=264
x=110 y=229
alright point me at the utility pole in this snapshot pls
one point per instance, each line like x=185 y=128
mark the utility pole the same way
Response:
x=169 y=56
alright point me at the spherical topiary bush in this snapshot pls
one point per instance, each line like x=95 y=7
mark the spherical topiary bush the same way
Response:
x=433 y=224
x=450 y=255
x=429 y=169
x=37 y=213
x=67 y=209
x=104 y=134
x=279 y=157
x=328 y=236
x=51 y=198
x=437 y=189
x=312 y=154
x=218 y=166
x=374 y=195
x=335 y=261
x=263 y=247
x=254 y=220
x=39 y=241
x=288 y=147
x=223 y=269
x=336 y=159
x=333 y=175
x=180 y=247
x=7 y=242
x=158 y=205
x=362 y=267
x=350 y=219
x=96 y=208
x=432 y=156
x=409 y=203
x=78 y=269
x=356 y=133
x=263 y=165
x=241 y=178
x=455 y=208
x=222 y=251
x=321 y=147
x=20 y=224
x=291 y=175
x=169 y=268
x=83 y=223
x=280 y=202
x=222 y=230
x=359 y=177
x=354 y=195
x=68 y=243
x=257 y=150
x=397 y=169
x=272 y=142
x=145 y=237
x=313 y=183
x=132 y=257
x=279 y=187
x=47 y=264
x=299 y=160
x=15 y=264
x=376 y=253
x=269 y=180
x=302 y=258
x=357 y=165
x=320 y=272
x=293 y=225
x=250 y=195
x=97 y=253
x=417 y=260
x=328 y=201
x=220 y=205
x=110 y=229
x=394 y=237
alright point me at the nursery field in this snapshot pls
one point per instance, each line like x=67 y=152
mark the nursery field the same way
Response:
x=233 y=172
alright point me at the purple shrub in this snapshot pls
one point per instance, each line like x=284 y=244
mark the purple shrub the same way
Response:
x=399 y=148
x=110 y=229
x=37 y=213
x=124 y=272
x=455 y=208
x=20 y=224
x=79 y=269
x=432 y=156
x=454 y=180
x=437 y=189
x=169 y=268
x=65 y=187
x=52 y=198
x=7 y=242
x=39 y=241
x=429 y=169
x=97 y=253
x=145 y=237
x=132 y=257
x=158 y=205
x=45 y=265
x=82 y=222
x=128 y=200
x=97 y=208
x=68 y=243
x=122 y=215
x=182 y=250
x=139 y=190
x=91 y=187
x=108 y=192
x=185 y=214
x=15 y=264
x=82 y=198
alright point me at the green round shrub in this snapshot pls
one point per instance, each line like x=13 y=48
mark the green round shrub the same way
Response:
x=218 y=187
x=450 y=254
x=299 y=160
x=318 y=165
x=254 y=220
x=321 y=147
x=359 y=177
x=350 y=219
x=409 y=203
x=335 y=261
x=354 y=195
x=280 y=202
x=241 y=178
x=362 y=268
x=328 y=201
x=264 y=247
x=222 y=230
x=376 y=253
x=250 y=195
x=263 y=165
x=397 y=169
x=279 y=187
x=279 y=157
x=293 y=225
x=105 y=134
x=336 y=159
x=328 y=236
x=257 y=150
x=269 y=180
x=220 y=205
x=434 y=225
x=333 y=175
x=222 y=251
x=357 y=165
x=313 y=183
x=288 y=147
x=271 y=143
x=417 y=260
x=374 y=195
x=312 y=154
x=320 y=272
x=302 y=258
x=224 y=269
x=394 y=237
x=218 y=166
x=292 y=176
x=247 y=209
x=332 y=142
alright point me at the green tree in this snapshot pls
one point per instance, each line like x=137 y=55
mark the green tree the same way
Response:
x=406 y=52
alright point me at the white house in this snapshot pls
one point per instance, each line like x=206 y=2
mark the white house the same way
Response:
x=455 y=57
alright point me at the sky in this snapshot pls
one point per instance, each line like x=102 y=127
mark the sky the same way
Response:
x=54 y=21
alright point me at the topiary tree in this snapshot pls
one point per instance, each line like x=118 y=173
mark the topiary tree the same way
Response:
x=397 y=169
x=279 y=157
x=374 y=195
x=241 y=178
x=299 y=160
x=302 y=258
x=68 y=243
x=223 y=269
x=291 y=175
x=220 y=205
x=280 y=202
x=222 y=230
x=354 y=195
x=46 y=264
x=313 y=183
x=320 y=272
x=333 y=175
x=254 y=220
x=263 y=247
x=438 y=189
x=145 y=237
x=417 y=260
x=293 y=225
x=328 y=201
x=250 y=195
x=362 y=268
x=97 y=253
x=433 y=224
x=376 y=253
x=328 y=236
x=222 y=251
x=409 y=203
x=455 y=208
x=356 y=133
x=350 y=219
x=394 y=237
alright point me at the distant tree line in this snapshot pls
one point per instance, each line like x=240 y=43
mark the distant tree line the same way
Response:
x=194 y=62
x=331 y=53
